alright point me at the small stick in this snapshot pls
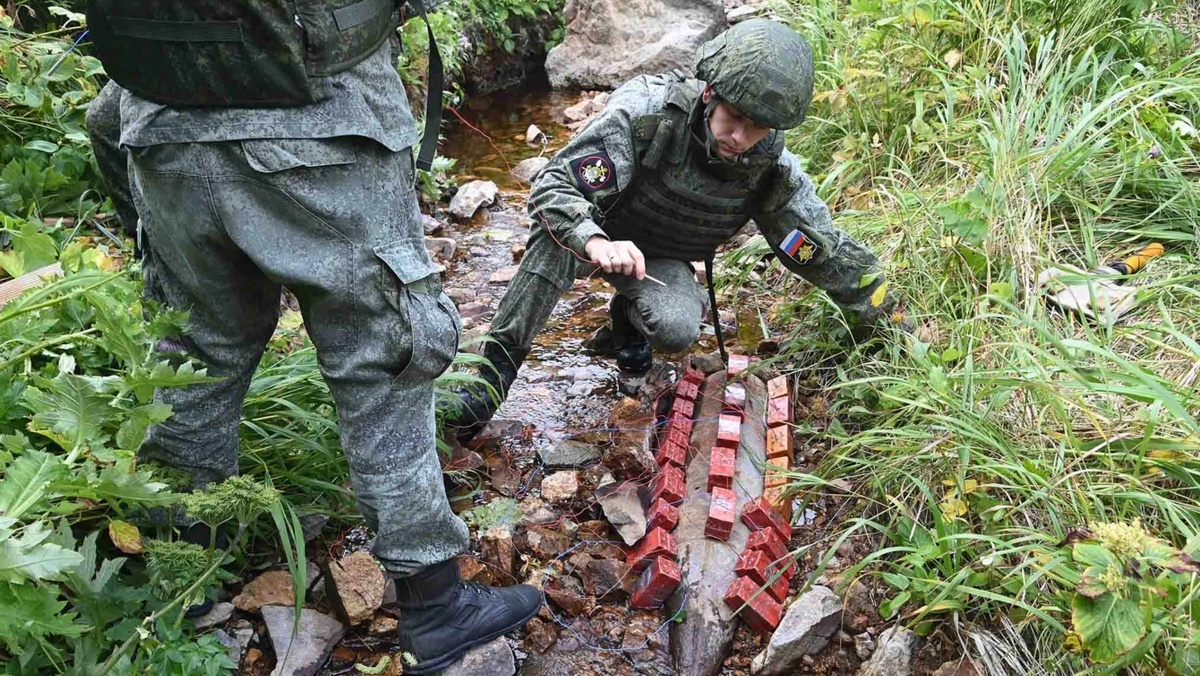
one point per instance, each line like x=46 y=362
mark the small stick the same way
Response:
x=656 y=281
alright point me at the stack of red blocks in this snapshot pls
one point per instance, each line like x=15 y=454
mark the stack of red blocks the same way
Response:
x=780 y=445
x=763 y=570
x=655 y=554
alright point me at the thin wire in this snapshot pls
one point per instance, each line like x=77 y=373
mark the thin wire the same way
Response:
x=66 y=53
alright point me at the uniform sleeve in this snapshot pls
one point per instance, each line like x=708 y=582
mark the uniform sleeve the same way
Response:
x=598 y=163
x=798 y=227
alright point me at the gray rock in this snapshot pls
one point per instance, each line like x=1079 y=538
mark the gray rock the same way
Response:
x=312 y=524
x=528 y=169
x=648 y=36
x=584 y=388
x=503 y=275
x=569 y=454
x=232 y=647
x=460 y=295
x=740 y=14
x=805 y=630
x=244 y=636
x=432 y=225
x=494 y=658
x=893 y=656
x=441 y=247
x=625 y=510
x=219 y=614
x=302 y=653
x=471 y=197
x=561 y=486
x=864 y=645
x=534 y=136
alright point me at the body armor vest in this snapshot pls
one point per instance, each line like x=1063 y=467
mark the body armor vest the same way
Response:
x=676 y=207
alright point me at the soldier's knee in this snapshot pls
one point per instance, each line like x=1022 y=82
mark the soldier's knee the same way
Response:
x=675 y=334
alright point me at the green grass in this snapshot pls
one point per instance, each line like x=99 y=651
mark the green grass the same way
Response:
x=973 y=144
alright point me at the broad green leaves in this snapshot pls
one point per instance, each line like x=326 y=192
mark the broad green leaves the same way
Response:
x=1110 y=626
x=31 y=249
x=25 y=482
x=72 y=410
x=30 y=558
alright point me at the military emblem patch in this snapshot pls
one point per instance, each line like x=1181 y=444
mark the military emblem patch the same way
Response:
x=593 y=173
x=797 y=246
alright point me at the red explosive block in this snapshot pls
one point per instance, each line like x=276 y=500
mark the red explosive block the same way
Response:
x=729 y=431
x=656 y=583
x=767 y=541
x=777 y=387
x=671 y=453
x=694 y=375
x=777 y=496
x=762 y=514
x=779 y=411
x=654 y=544
x=780 y=445
x=687 y=389
x=669 y=485
x=738 y=363
x=679 y=437
x=683 y=407
x=722 y=511
x=755 y=565
x=735 y=398
x=779 y=588
x=721 y=467
x=760 y=612
x=662 y=515
x=682 y=423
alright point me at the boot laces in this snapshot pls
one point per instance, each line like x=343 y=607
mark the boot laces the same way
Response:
x=477 y=588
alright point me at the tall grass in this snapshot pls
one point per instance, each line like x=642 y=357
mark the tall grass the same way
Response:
x=973 y=144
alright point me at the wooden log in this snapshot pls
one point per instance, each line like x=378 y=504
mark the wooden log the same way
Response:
x=15 y=287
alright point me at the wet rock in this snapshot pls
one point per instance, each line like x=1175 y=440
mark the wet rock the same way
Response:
x=584 y=388
x=471 y=197
x=595 y=530
x=496 y=545
x=460 y=296
x=546 y=543
x=441 y=247
x=568 y=454
x=432 y=225
x=804 y=630
x=864 y=645
x=630 y=459
x=232 y=648
x=359 y=583
x=893 y=656
x=578 y=112
x=607 y=579
x=561 y=486
x=624 y=507
x=383 y=624
x=311 y=525
x=540 y=635
x=528 y=169
x=534 y=136
x=218 y=615
x=305 y=651
x=473 y=309
x=493 y=658
x=503 y=275
x=253 y=656
x=243 y=636
x=963 y=667
x=517 y=251
x=651 y=36
x=273 y=587
x=708 y=363
x=567 y=593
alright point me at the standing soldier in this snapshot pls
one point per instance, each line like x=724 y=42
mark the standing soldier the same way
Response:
x=271 y=145
x=669 y=171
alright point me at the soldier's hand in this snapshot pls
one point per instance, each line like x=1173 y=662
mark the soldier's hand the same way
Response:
x=622 y=257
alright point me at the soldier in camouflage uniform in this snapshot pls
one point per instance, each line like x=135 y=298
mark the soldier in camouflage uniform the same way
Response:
x=669 y=171
x=236 y=203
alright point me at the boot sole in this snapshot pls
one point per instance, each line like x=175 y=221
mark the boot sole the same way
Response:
x=442 y=663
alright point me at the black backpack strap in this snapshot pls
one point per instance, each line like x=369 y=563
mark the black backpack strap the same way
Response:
x=433 y=95
x=712 y=302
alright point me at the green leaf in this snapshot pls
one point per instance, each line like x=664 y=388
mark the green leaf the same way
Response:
x=72 y=406
x=951 y=355
x=890 y=607
x=1090 y=584
x=31 y=250
x=30 y=558
x=25 y=481
x=33 y=614
x=143 y=383
x=41 y=145
x=1110 y=626
x=133 y=430
x=1092 y=555
x=867 y=279
x=120 y=484
x=896 y=580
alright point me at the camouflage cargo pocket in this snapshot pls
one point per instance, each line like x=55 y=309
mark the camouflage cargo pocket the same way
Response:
x=412 y=286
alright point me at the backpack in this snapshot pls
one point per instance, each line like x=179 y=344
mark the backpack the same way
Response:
x=248 y=53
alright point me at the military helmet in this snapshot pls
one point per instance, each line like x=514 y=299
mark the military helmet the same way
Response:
x=763 y=68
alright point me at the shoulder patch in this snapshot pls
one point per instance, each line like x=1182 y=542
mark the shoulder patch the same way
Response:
x=798 y=247
x=594 y=172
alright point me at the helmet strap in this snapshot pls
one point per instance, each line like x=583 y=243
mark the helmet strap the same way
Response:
x=709 y=142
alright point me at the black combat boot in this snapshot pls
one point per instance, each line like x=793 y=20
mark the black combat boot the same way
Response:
x=633 y=350
x=441 y=616
x=477 y=403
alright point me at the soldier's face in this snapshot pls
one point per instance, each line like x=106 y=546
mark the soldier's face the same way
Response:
x=734 y=132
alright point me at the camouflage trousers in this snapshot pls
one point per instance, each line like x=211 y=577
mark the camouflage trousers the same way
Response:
x=225 y=225
x=669 y=316
x=103 y=122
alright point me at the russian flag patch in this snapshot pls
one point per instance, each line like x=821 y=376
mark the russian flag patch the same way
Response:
x=797 y=246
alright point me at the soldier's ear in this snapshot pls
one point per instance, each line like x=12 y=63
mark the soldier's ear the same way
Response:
x=707 y=95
